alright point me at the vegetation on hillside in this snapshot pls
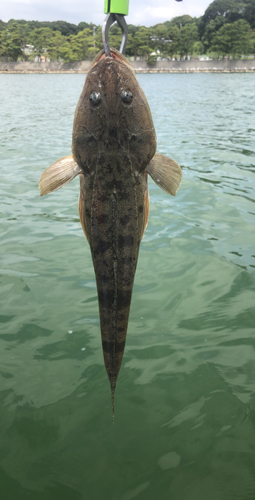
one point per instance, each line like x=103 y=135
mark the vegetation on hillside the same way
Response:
x=227 y=28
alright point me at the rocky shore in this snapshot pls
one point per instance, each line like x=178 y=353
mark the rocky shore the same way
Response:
x=193 y=66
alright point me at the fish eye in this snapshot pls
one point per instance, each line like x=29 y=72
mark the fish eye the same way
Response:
x=126 y=96
x=95 y=98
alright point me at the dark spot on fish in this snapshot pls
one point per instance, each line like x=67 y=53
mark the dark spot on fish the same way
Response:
x=104 y=218
x=119 y=184
x=113 y=132
x=109 y=294
x=126 y=261
x=111 y=346
x=90 y=139
x=140 y=209
x=125 y=241
x=125 y=220
x=103 y=246
x=101 y=219
x=123 y=193
x=121 y=329
x=124 y=299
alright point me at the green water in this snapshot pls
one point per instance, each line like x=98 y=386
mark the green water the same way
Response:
x=185 y=399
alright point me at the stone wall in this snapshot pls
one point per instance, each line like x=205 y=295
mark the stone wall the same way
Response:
x=44 y=67
x=225 y=65
x=238 y=65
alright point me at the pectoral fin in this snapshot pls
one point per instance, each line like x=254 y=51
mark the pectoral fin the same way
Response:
x=58 y=174
x=165 y=172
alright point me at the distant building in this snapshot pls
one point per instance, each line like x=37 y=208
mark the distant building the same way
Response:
x=42 y=58
x=28 y=49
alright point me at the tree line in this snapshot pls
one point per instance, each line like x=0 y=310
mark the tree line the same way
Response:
x=227 y=28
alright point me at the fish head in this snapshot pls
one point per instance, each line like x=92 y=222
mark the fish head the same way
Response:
x=112 y=115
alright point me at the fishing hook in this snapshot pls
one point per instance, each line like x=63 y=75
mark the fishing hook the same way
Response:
x=109 y=20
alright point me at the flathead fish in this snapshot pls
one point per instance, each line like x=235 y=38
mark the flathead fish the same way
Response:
x=113 y=151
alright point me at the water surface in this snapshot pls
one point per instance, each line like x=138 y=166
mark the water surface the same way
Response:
x=185 y=398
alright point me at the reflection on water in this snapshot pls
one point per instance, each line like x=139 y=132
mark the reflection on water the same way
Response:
x=185 y=399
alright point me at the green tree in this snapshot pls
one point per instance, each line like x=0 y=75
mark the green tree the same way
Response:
x=211 y=28
x=62 y=40
x=198 y=48
x=66 y=52
x=66 y=29
x=79 y=47
x=2 y=25
x=23 y=33
x=4 y=45
x=130 y=45
x=228 y=10
x=82 y=26
x=188 y=36
x=225 y=8
x=249 y=12
x=55 y=44
x=39 y=38
x=252 y=42
x=12 y=42
x=232 y=39
x=157 y=38
x=132 y=30
x=172 y=43
x=141 y=42
x=179 y=21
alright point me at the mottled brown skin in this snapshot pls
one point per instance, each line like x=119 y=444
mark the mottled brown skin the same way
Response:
x=113 y=143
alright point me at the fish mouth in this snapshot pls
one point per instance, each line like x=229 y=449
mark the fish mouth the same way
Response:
x=114 y=54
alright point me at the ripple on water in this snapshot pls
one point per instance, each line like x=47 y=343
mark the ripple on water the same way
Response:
x=185 y=398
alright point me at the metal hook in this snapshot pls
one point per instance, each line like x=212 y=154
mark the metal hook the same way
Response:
x=109 y=20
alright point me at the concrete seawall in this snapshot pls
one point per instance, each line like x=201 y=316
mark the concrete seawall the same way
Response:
x=193 y=66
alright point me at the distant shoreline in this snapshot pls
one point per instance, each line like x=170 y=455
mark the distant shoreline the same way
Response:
x=136 y=71
x=193 y=66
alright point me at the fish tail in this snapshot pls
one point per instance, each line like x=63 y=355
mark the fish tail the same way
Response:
x=115 y=229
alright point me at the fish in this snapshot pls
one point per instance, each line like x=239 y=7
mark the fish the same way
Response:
x=113 y=152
